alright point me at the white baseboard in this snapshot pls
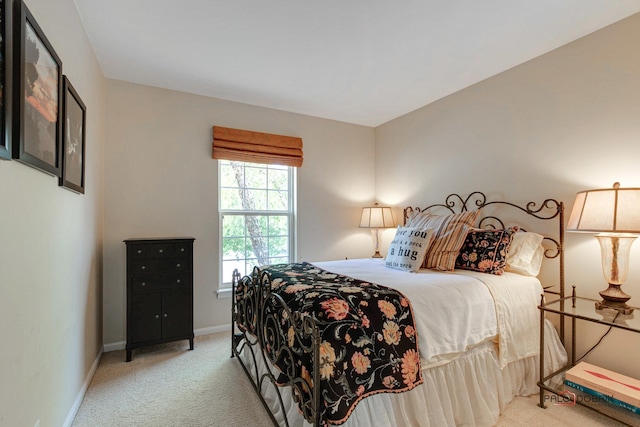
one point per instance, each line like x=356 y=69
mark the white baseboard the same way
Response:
x=83 y=390
x=121 y=345
x=212 y=330
x=118 y=345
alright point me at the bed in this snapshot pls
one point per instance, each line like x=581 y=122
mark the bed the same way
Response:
x=476 y=334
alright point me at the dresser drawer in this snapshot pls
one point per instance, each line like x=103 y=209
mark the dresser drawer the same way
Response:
x=178 y=281
x=152 y=250
x=182 y=249
x=146 y=284
x=152 y=283
x=154 y=266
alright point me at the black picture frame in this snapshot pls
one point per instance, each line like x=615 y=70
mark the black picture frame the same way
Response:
x=6 y=83
x=74 y=121
x=37 y=127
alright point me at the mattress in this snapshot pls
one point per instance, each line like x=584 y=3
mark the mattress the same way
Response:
x=457 y=310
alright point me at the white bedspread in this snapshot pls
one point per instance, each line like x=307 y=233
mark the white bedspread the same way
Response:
x=458 y=310
x=516 y=299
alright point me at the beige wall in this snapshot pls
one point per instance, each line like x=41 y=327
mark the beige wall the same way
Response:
x=51 y=255
x=161 y=181
x=563 y=122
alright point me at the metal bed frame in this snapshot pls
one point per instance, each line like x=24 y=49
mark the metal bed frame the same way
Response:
x=256 y=329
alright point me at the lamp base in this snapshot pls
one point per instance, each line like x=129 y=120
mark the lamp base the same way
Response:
x=375 y=234
x=621 y=307
x=614 y=298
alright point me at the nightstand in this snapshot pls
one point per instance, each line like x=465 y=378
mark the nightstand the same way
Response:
x=583 y=309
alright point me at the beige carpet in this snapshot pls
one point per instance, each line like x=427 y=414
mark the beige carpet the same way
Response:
x=171 y=386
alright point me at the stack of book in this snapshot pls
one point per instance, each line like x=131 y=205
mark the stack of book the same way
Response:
x=602 y=385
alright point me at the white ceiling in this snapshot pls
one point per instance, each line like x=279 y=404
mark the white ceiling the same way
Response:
x=357 y=61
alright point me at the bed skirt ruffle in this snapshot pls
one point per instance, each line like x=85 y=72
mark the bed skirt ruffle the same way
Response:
x=470 y=390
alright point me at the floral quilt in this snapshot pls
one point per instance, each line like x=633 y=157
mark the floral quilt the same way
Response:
x=368 y=336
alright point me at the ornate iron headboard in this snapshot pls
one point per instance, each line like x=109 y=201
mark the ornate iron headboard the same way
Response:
x=549 y=209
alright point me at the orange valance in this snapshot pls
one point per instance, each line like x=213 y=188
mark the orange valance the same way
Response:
x=256 y=147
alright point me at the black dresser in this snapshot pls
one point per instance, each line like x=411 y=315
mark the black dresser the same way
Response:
x=159 y=291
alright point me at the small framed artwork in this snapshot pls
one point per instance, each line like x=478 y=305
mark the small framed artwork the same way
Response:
x=74 y=115
x=6 y=25
x=37 y=127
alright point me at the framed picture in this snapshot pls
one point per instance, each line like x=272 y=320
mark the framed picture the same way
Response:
x=74 y=115
x=6 y=26
x=37 y=127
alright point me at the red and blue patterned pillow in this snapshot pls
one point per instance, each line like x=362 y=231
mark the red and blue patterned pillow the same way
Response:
x=485 y=250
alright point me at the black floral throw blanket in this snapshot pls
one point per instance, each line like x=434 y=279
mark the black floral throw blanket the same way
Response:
x=368 y=336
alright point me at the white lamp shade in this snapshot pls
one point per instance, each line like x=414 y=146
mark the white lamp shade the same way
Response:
x=377 y=217
x=608 y=210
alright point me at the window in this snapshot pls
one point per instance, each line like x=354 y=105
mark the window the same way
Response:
x=257 y=205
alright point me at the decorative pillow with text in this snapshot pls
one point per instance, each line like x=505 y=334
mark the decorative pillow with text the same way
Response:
x=408 y=248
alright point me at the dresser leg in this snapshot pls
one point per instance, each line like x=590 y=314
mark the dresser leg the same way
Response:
x=190 y=343
x=129 y=355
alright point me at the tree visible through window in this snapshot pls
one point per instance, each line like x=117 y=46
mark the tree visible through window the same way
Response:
x=256 y=215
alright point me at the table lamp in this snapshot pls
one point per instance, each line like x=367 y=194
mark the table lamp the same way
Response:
x=613 y=213
x=375 y=218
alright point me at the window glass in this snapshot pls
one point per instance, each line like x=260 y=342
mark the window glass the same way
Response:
x=256 y=216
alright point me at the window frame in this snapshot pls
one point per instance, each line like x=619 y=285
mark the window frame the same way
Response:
x=225 y=289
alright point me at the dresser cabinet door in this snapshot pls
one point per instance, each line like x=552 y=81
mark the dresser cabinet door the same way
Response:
x=146 y=322
x=176 y=313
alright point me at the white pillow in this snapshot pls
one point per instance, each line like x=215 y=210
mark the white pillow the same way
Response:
x=525 y=254
x=408 y=248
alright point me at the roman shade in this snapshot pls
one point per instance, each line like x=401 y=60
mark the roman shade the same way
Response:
x=256 y=147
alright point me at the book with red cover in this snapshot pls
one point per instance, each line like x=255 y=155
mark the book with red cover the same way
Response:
x=621 y=387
